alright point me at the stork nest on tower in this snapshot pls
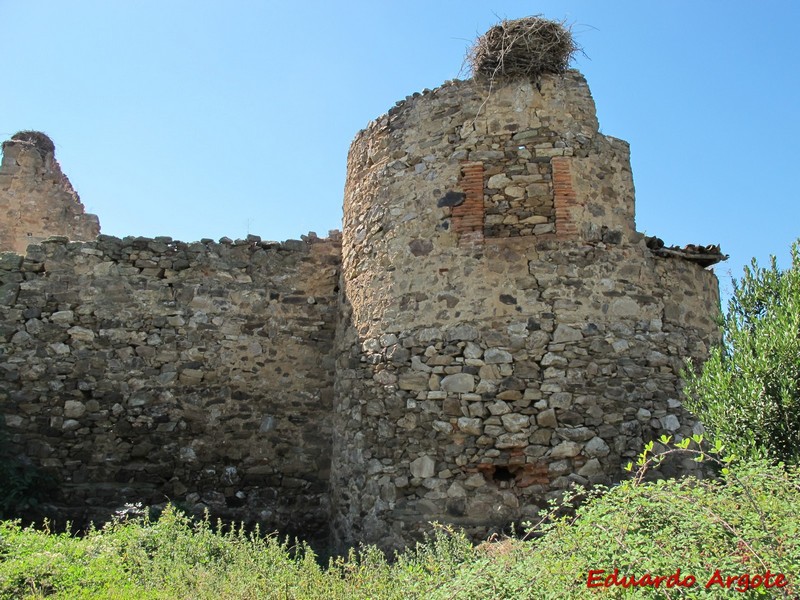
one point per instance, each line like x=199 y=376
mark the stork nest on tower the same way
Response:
x=527 y=48
x=36 y=139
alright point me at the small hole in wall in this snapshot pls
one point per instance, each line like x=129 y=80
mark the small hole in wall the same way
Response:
x=502 y=474
x=29 y=234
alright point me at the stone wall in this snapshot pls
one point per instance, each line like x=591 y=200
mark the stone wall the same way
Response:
x=489 y=329
x=485 y=365
x=36 y=199
x=147 y=370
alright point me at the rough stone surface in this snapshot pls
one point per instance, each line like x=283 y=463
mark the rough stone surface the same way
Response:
x=568 y=327
x=488 y=328
x=36 y=200
x=139 y=370
x=458 y=383
x=423 y=467
x=596 y=447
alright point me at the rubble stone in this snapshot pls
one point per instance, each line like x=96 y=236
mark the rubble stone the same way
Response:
x=488 y=329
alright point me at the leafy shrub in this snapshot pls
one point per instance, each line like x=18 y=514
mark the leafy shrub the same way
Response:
x=748 y=392
x=742 y=524
x=745 y=522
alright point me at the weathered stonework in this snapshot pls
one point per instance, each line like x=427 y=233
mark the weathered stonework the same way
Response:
x=489 y=329
x=36 y=199
x=140 y=370
x=490 y=356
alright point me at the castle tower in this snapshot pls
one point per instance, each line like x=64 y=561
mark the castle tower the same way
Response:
x=505 y=331
x=36 y=199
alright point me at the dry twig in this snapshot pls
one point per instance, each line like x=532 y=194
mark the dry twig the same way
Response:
x=36 y=138
x=527 y=47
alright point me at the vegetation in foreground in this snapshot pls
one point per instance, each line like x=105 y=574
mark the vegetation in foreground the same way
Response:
x=748 y=393
x=738 y=534
x=743 y=524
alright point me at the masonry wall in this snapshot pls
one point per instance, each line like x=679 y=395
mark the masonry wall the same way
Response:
x=505 y=331
x=147 y=370
x=36 y=199
x=489 y=329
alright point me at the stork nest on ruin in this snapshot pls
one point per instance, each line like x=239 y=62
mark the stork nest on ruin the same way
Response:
x=37 y=139
x=518 y=48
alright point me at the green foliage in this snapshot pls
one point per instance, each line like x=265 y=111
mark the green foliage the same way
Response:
x=746 y=522
x=748 y=393
x=176 y=557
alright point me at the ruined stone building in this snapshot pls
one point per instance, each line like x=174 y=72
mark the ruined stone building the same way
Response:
x=487 y=329
x=36 y=199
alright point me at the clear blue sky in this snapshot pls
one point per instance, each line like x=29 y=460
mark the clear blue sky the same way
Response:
x=208 y=119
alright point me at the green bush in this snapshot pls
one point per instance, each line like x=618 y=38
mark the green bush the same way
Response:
x=744 y=523
x=748 y=392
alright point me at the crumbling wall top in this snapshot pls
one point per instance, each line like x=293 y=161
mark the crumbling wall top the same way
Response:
x=36 y=198
x=37 y=139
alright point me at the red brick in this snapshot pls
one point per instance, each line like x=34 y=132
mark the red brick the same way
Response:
x=564 y=197
x=468 y=217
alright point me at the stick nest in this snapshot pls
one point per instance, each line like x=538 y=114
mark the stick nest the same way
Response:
x=36 y=138
x=522 y=48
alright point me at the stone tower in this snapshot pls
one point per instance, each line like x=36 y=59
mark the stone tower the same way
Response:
x=505 y=331
x=488 y=329
x=36 y=199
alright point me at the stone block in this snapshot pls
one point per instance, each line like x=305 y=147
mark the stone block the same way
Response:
x=81 y=334
x=458 y=383
x=515 y=422
x=74 y=409
x=541 y=437
x=596 y=447
x=496 y=356
x=565 y=333
x=417 y=381
x=547 y=418
x=423 y=467
x=565 y=449
x=592 y=467
x=512 y=440
x=670 y=423
x=8 y=293
x=475 y=481
x=470 y=426
x=499 y=407
x=443 y=427
x=576 y=434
